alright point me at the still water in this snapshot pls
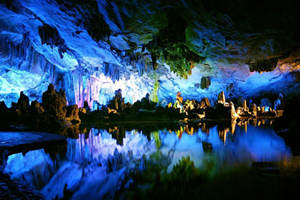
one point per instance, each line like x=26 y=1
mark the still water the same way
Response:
x=97 y=165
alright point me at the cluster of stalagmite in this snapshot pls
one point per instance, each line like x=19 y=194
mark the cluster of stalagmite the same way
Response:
x=52 y=115
x=253 y=110
x=224 y=109
x=190 y=109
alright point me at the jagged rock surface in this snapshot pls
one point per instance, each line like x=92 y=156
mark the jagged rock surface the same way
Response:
x=91 y=49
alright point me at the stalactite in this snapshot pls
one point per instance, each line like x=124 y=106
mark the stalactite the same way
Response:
x=112 y=71
x=22 y=56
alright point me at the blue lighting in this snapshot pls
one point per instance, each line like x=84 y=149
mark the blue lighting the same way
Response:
x=87 y=160
x=94 y=73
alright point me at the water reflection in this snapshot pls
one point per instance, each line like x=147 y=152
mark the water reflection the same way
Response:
x=100 y=163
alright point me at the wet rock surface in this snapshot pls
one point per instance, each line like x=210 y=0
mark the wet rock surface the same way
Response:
x=10 y=189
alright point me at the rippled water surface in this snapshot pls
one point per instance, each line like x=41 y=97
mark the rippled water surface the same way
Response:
x=103 y=162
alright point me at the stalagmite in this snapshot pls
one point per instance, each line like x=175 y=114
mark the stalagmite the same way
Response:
x=221 y=98
x=234 y=115
x=245 y=105
x=254 y=109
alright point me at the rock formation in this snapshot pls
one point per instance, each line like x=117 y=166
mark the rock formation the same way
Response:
x=232 y=111
x=204 y=103
x=117 y=103
x=23 y=103
x=73 y=114
x=52 y=115
x=254 y=110
x=221 y=98
x=205 y=82
x=54 y=102
x=245 y=105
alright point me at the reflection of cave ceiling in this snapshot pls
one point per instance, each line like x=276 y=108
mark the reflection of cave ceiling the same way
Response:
x=89 y=48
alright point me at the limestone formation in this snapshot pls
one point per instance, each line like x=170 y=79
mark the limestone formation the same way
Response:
x=54 y=102
x=205 y=82
x=179 y=97
x=86 y=106
x=245 y=105
x=221 y=98
x=36 y=108
x=254 y=110
x=117 y=103
x=232 y=111
x=204 y=103
x=82 y=110
x=23 y=103
x=73 y=114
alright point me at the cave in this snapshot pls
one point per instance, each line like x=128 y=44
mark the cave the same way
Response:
x=145 y=99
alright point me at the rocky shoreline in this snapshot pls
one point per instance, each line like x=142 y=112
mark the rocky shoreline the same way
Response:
x=54 y=115
x=12 y=189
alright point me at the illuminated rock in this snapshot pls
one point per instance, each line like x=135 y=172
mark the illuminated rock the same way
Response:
x=73 y=114
x=82 y=110
x=204 y=103
x=233 y=125
x=117 y=103
x=179 y=97
x=53 y=49
x=54 y=102
x=234 y=115
x=221 y=98
x=258 y=109
x=254 y=109
x=245 y=105
x=189 y=105
x=178 y=102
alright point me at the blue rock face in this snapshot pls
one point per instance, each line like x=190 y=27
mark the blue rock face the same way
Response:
x=44 y=42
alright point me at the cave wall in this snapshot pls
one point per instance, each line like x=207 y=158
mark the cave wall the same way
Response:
x=92 y=49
